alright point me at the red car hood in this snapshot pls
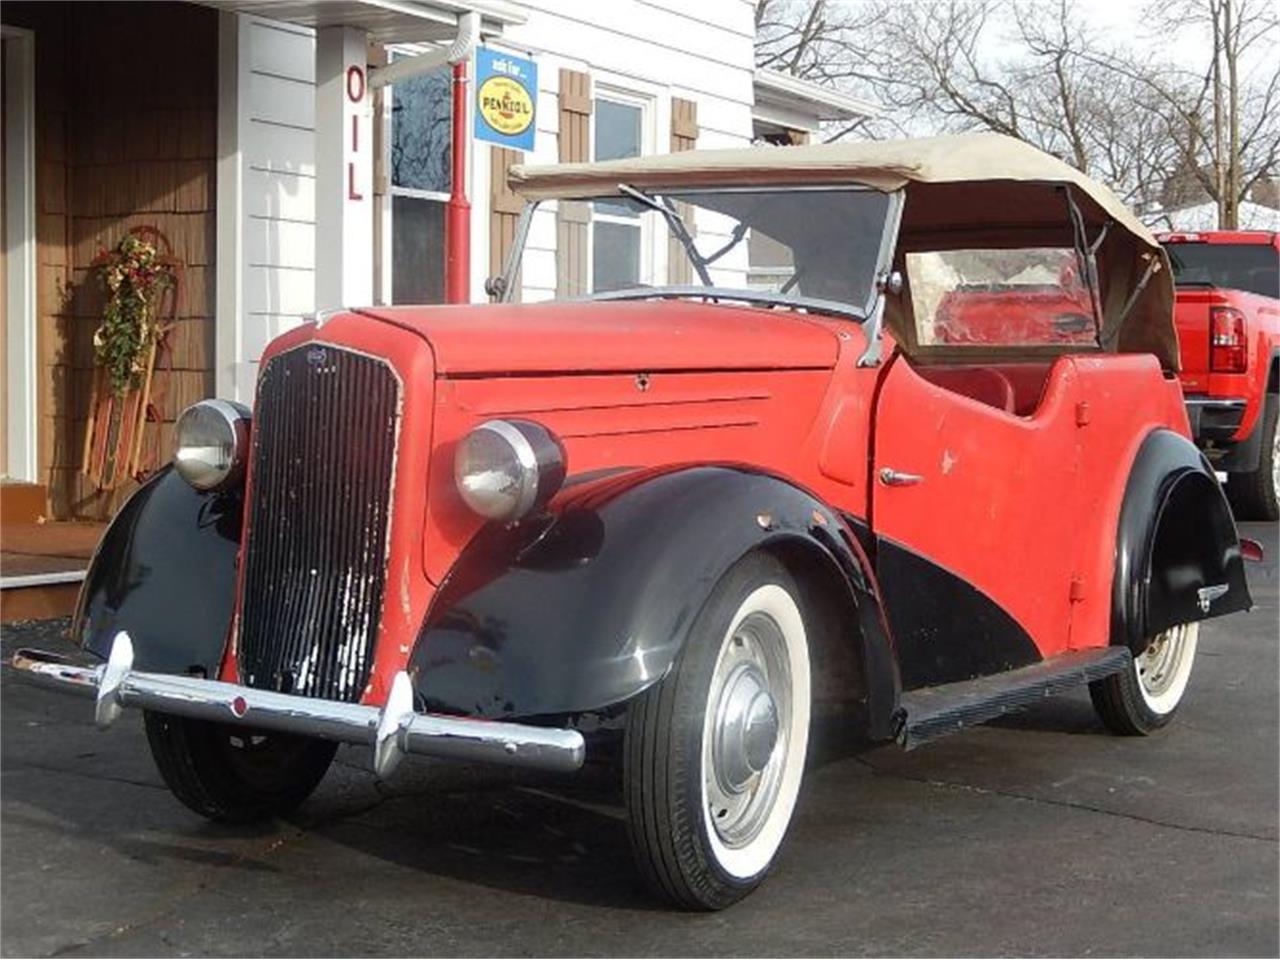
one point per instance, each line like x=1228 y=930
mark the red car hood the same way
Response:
x=585 y=337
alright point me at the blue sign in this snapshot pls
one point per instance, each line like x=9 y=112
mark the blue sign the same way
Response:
x=506 y=99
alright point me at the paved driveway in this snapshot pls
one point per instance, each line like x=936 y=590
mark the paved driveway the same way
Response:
x=1037 y=835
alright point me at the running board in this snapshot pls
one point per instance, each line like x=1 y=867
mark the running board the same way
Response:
x=933 y=712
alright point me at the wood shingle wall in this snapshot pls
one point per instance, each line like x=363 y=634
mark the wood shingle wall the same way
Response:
x=126 y=105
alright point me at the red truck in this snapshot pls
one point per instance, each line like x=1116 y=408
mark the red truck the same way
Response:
x=1228 y=318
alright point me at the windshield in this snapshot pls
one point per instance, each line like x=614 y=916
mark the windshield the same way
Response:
x=805 y=247
x=1252 y=267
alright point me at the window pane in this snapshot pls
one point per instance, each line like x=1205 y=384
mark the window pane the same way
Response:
x=1007 y=298
x=617 y=137
x=810 y=244
x=617 y=130
x=417 y=250
x=421 y=114
x=615 y=256
x=1253 y=267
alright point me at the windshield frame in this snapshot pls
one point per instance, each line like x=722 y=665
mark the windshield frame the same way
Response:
x=504 y=287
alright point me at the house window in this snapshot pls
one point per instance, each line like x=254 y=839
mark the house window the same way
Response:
x=617 y=228
x=420 y=153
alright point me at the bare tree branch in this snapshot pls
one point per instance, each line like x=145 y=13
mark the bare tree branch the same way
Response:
x=1159 y=133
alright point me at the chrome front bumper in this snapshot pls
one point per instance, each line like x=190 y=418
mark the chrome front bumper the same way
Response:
x=392 y=731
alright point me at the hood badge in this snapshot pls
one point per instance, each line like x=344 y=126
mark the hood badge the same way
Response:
x=642 y=382
x=317 y=357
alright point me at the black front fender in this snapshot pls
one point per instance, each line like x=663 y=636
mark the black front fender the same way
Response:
x=583 y=609
x=165 y=572
x=1178 y=554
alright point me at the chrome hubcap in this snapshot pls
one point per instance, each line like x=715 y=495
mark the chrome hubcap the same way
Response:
x=747 y=729
x=1158 y=664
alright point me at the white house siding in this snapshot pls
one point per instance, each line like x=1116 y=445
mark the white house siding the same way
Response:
x=657 y=49
x=273 y=231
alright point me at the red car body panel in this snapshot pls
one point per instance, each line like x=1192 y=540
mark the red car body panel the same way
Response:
x=983 y=472
x=600 y=337
x=782 y=394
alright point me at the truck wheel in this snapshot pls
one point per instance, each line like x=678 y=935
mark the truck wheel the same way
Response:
x=1256 y=495
x=235 y=774
x=1144 y=697
x=714 y=753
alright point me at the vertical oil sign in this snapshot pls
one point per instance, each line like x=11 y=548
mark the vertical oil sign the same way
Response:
x=506 y=99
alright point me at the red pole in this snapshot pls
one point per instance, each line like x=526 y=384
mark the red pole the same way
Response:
x=457 y=222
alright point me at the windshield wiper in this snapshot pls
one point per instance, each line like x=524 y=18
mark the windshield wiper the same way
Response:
x=676 y=223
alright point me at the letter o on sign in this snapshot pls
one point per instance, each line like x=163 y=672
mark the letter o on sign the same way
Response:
x=355 y=84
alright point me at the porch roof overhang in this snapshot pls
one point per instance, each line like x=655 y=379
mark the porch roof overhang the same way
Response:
x=386 y=21
x=780 y=95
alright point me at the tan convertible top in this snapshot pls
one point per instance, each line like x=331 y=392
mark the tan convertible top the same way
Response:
x=971 y=190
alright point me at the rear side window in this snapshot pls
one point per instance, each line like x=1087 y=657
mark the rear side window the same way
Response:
x=1252 y=267
x=1031 y=297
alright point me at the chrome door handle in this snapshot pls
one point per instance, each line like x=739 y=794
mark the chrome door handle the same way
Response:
x=893 y=478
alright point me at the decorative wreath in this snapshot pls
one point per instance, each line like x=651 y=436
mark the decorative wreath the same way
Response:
x=133 y=276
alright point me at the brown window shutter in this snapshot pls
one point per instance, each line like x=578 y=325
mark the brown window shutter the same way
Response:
x=575 y=147
x=684 y=124
x=684 y=136
x=504 y=211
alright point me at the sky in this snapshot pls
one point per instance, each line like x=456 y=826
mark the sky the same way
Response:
x=1189 y=45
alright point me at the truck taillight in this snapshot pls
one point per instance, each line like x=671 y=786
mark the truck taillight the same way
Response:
x=1227 y=352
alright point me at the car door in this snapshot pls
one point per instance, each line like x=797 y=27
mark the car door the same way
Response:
x=973 y=513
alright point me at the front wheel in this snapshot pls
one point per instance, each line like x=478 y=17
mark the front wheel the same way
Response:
x=715 y=752
x=235 y=774
x=1144 y=697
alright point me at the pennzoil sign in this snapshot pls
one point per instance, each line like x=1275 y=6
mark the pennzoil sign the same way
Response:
x=506 y=99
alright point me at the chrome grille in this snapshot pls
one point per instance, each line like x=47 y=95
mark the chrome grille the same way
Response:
x=324 y=443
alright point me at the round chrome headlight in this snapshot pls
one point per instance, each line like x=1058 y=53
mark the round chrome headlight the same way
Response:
x=506 y=468
x=213 y=443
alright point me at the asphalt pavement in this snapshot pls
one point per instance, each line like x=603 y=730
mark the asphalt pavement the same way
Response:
x=1036 y=835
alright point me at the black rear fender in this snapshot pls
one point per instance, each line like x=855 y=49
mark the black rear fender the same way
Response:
x=1178 y=554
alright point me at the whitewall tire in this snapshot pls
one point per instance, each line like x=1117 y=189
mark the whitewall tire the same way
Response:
x=1145 y=696
x=715 y=752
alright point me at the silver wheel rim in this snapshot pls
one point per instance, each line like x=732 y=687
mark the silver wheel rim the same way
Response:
x=747 y=730
x=1164 y=668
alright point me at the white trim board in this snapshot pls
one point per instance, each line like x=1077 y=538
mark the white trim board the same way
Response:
x=20 y=265
x=41 y=579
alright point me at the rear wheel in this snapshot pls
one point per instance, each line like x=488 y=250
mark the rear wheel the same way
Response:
x=715 y=752
x=1256 y=495
x=1144 y=697
x=232 y=773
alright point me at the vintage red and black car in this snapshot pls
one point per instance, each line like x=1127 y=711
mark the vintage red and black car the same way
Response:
x=783 y=472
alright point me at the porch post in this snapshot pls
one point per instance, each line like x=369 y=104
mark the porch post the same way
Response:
x=457 y=224
x=344 y=170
